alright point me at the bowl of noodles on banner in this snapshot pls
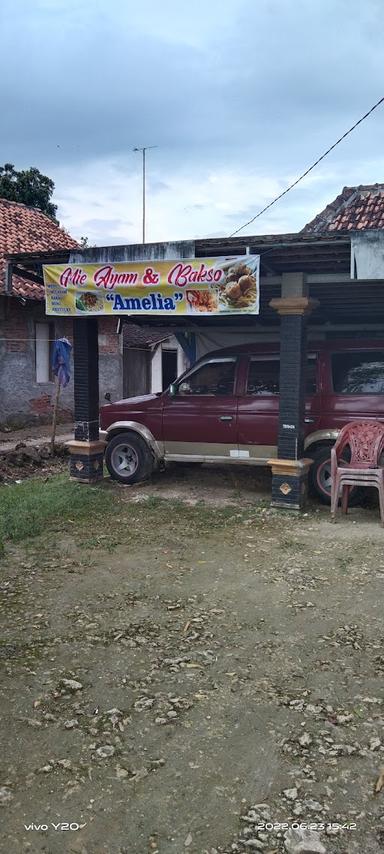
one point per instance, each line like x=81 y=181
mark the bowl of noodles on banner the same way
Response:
x=89 y=303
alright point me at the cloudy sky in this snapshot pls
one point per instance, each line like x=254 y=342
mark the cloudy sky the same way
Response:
x=239 y=96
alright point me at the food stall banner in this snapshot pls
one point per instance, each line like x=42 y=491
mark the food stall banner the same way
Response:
x=189 y=286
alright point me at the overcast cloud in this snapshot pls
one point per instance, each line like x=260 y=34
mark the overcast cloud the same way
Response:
x=240 y=96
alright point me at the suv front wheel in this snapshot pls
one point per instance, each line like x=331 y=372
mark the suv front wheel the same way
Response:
x=128 y=458
x=320 y=477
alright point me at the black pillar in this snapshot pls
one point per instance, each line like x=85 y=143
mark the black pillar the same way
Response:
x=290 y=469
x=86 y=460
x=293 y=346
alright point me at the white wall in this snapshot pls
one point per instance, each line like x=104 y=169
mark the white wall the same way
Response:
x=156 y=364
x=43 y=352
x=156 y=371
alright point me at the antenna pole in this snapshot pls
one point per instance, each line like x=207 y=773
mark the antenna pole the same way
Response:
x=143 y=195
x=143 y=149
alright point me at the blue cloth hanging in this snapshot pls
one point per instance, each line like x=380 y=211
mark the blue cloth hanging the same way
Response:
x=61 y=360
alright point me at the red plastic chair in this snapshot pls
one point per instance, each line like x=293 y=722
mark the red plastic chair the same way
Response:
x=365 y=440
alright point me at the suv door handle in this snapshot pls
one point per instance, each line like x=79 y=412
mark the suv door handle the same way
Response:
x=309 y=420
x=226 y=417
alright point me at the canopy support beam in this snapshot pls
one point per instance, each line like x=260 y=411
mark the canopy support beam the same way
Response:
x=290 y=469
x=86 y=451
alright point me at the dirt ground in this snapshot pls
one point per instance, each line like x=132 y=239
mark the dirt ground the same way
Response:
x=37 y=432
x=195 y=674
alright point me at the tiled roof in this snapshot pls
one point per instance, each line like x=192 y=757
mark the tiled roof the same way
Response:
x=143 y=337
x=354 y=209
x=24 y=229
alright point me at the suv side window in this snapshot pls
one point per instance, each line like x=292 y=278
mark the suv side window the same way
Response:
x=214 y=378
x=264 y=376
x=358 y=373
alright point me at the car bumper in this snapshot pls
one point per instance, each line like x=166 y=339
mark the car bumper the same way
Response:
x=103 y=435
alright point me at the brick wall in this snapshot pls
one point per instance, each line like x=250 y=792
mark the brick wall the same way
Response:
x=108 y=338
x=16 y=330
x=22 y=399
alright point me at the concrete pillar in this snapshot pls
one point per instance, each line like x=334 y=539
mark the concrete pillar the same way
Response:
x=293 y=285
x=157 y=370
x=290 y=469
x=181 y=360
x=86 y=451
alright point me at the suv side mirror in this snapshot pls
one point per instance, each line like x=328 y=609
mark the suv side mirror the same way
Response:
x=173 y=390
x=107 y=396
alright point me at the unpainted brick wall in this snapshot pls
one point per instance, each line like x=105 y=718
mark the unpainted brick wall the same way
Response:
x=108 y=338
x=16 y=330
x=22 y=399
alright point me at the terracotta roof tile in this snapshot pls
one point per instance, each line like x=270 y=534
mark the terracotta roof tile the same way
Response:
x=24 y=229
x=356 y=208
x=142 y=337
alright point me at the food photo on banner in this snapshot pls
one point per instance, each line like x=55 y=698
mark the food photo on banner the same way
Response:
x=197 y=286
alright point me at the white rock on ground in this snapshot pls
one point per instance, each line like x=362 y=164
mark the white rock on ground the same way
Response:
x=305 y=740
x=303 y=842
x=105 y=750
x=6 y=795
x=71 y=684
x=290 y=794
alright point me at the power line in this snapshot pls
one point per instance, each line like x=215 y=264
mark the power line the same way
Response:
x=310 y=168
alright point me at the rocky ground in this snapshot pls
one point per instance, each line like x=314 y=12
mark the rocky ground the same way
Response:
x=194 y=676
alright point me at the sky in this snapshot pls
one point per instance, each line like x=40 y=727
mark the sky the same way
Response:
x=239 y=96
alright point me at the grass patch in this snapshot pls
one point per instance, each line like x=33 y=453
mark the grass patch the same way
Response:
x=35 y=506
x=100 y=517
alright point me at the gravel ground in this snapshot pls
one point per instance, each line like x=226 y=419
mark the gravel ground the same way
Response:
x=193 y=676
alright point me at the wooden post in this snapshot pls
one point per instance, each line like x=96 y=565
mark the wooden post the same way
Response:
x=54 y=418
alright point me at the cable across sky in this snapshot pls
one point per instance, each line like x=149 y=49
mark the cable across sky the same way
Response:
x=307 y=171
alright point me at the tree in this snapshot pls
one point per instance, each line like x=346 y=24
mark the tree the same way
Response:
x=29 y=186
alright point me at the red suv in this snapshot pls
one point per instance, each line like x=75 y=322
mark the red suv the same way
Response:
x=225 y=409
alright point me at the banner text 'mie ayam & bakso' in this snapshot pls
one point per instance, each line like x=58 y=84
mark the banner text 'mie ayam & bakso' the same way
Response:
x=108 y=277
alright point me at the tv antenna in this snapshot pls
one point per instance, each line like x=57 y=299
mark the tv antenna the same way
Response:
x=143 y=149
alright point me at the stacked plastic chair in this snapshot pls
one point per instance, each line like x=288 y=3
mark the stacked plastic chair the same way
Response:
x=365 y=441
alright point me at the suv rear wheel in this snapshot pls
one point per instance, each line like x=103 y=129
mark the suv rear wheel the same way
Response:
x=128 y=458
x=320 y=477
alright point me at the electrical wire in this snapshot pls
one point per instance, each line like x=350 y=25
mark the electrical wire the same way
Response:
x=280 y=196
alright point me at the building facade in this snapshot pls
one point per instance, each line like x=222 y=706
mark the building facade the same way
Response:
x=27 y=334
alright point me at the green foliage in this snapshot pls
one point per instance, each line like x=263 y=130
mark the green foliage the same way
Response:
x=29 y=186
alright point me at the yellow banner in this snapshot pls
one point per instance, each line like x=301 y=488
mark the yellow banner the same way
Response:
x=189 y=286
